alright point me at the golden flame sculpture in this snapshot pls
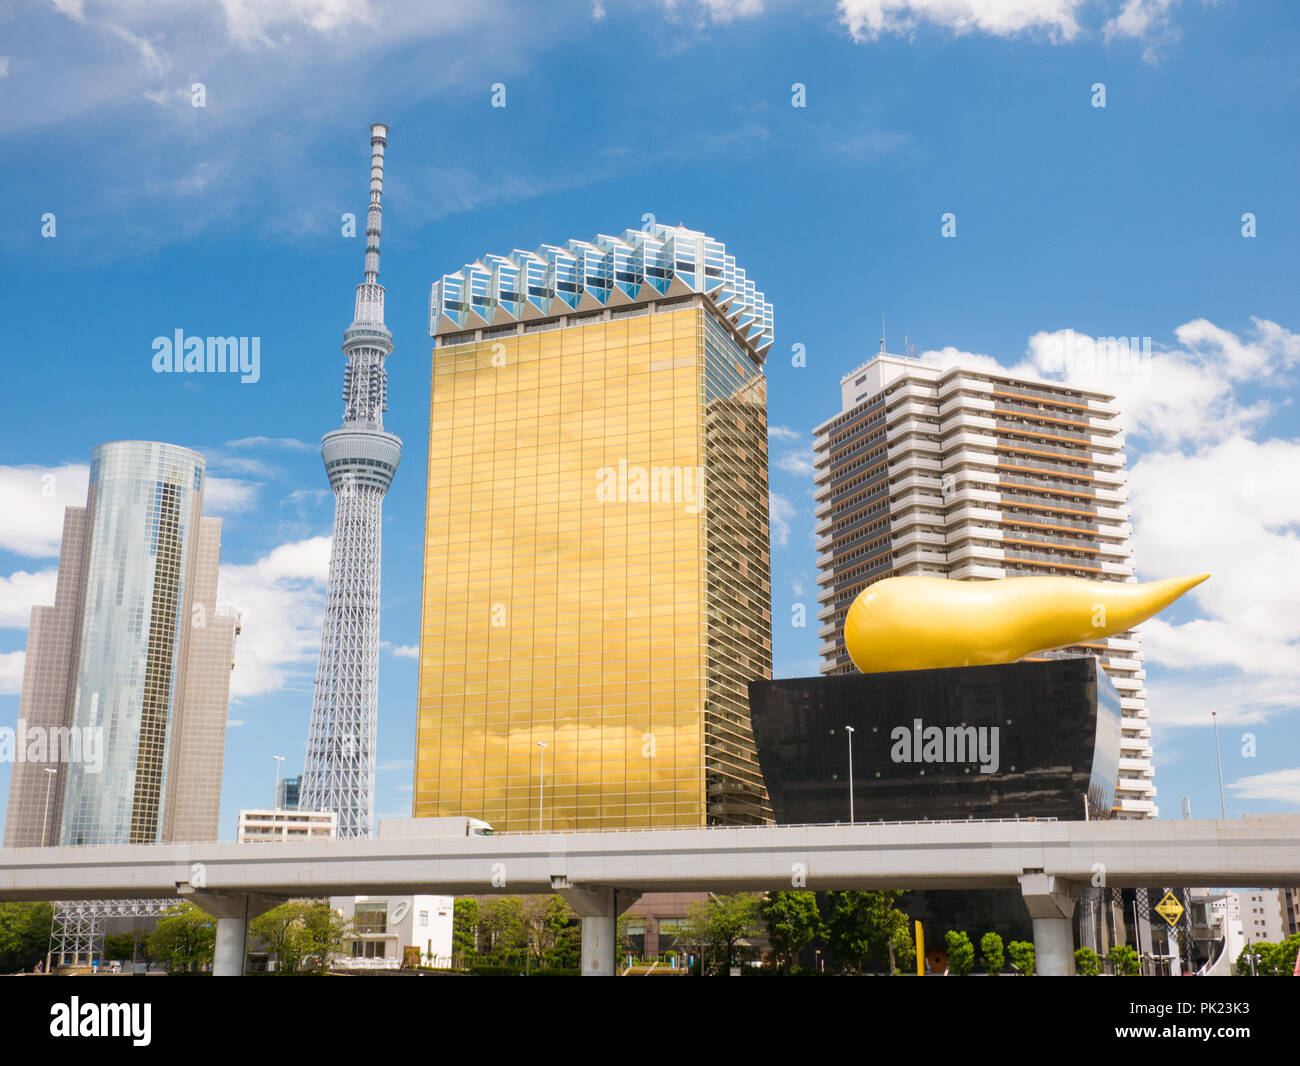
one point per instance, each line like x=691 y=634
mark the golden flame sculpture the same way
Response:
x=926 y=623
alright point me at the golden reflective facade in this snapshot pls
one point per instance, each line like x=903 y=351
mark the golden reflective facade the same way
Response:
x=596 y=576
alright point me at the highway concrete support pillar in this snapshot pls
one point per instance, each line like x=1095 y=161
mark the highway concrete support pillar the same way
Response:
x=233 y=911
x=1051 y=908
x=599 y=908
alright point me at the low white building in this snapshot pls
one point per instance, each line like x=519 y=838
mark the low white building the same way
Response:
x=1258 y=909
x=382 y=928
x=285 y=824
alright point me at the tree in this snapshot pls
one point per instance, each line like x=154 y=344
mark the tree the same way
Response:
x=1124 y=961
x=24 y=935
x=271 y=931
x=185 y=939
x=1285 y=955
x=318 y=934
x=719 y=924
x=302 y=934
x=1021 y=953
x=504 y=929
x=548 y=922
x=994 y=957
x=961 y=953
x=1087 y=963
x=859 y=927
x=793 y=922
x=464 y=930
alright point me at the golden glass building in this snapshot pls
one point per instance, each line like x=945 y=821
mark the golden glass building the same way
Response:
x=596 y=574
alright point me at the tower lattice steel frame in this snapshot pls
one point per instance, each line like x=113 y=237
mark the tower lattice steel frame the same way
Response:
x=360 y=460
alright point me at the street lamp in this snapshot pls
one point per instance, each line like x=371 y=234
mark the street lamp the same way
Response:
x=1214 y=717
x=849 y=730
x=45 y=818
x=541 y=786
x=275 y=805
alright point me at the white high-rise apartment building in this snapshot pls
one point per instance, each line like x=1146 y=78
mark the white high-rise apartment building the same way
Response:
x=974 y=475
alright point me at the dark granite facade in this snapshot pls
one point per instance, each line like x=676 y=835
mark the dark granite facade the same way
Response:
x=1026 y=739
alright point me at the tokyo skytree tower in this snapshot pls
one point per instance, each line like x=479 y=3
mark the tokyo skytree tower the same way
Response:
x=360 y=460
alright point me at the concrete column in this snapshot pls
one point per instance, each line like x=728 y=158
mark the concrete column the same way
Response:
x=599 y=908
x=232 y=936
x=599 y=954
x=1051 y=907
x=233 y=911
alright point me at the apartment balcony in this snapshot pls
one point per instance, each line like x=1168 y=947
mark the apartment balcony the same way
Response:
x=975 y=570
x=915 y=462
x=920 y=557
x=909 y=407
x=1109 y=477
x=1108 y=459
x=1120 y=514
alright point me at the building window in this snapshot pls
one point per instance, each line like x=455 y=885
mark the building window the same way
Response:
x=371 y=918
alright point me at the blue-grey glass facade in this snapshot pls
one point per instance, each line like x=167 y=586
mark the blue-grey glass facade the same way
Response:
x=144 y=509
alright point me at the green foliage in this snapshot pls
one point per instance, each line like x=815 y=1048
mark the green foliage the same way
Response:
x=464 y=929
x=503 y=931
x=1285 y=956
x=552 y=930
x=1124 y=961
x=1087 y=963
x=532 y=934
x=1021 y=954
x=1271 y=960
x=991 y=950
x=301 y=934
x=859 y=927
x=24 y=935
x=793 y=922
x=716 y=926
x=184 y=940
x=122 y=946
x=961 y=953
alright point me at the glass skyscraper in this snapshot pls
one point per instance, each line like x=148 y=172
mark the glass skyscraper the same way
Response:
x=134 y=654
x=596 y=579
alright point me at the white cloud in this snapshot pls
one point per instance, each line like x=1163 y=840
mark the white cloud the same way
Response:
x=800 y=463
x=4 y=66
x=32 y=500
x=1165 y=395
x=253 y=22
x=780 y=511
x=235 y=723
x=290 y=443
x=1138 y=18
x=714 y=10
x=11 y=672
x=867 y=20
x=405 y=651
x=223 y=495
x=1205 y=497
x=783 y=433
x=1240 y=500
x=1280 y=785
x=20 y=591
x=279 y=599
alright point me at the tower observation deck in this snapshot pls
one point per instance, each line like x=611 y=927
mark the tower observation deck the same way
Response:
x=360 y=460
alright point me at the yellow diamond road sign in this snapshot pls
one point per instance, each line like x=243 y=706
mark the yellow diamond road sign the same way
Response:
x=1169 y=909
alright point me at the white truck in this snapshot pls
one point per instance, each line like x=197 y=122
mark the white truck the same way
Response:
x=409 y=828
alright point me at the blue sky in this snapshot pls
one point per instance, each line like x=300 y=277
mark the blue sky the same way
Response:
x=225 y=219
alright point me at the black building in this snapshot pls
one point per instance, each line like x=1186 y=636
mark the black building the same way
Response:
x=1026 y=739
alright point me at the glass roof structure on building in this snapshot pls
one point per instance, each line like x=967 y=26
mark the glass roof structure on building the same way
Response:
x=642 y=266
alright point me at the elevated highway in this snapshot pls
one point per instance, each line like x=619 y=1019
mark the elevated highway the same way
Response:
x=603 y=873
